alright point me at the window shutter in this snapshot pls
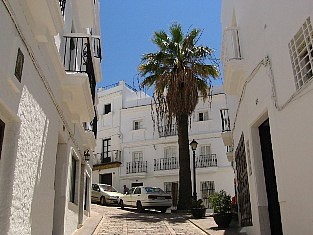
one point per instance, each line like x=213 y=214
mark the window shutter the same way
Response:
x=206 y=115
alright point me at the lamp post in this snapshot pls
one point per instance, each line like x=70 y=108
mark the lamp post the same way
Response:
x=194 y=145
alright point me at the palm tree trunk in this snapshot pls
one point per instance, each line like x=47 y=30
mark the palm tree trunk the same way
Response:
x=184 y=164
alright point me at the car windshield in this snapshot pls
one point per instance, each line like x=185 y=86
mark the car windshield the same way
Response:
x=153 y=190
x=108 y=188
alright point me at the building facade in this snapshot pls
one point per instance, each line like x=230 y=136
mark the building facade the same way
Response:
x=50 y=64
x=131 y=152
x=268 y=59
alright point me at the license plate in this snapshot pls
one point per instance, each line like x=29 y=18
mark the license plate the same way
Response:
x=161 y=198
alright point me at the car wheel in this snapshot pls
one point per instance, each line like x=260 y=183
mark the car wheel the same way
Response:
x=122 y=204
x=102 y=201
x=139 y=207
x=163 y=210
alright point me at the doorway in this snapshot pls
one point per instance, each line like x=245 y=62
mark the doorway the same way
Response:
x=105 y=178
x=270 y=178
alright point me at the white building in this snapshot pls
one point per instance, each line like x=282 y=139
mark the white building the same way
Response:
x=268 y=60
x=130 y=152
x=50 y=64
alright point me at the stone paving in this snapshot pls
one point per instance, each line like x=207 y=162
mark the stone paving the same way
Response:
x=129 y=221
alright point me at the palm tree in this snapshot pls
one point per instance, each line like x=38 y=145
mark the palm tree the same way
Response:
x=179 y=74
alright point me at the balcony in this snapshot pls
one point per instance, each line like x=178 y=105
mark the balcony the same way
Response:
x=226 y=129
x=165 y=131
x=107 y=160
x=136 y=167
x=166 y=164
x=232 y=61
x=230 y=153
x=208 y=160
x=62 y=4
x=81 y=59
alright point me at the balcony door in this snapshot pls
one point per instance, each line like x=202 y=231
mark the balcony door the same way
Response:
x=106 y=150
x=205 y=150
x=137 y=157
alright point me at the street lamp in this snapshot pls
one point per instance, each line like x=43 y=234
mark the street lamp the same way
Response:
x=194 y=145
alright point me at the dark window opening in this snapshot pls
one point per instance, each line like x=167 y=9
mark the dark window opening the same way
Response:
x=86 y=194
x=2 y=126
x=19 y=65
x=137 y=184
x=73 y=180
x=201 y=117
x=107 y=108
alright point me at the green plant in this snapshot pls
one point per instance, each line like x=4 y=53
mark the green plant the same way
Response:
x=197 y=203
x=221 y=202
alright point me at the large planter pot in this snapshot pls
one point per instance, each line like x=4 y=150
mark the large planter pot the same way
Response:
x=222 y=220
x=198 y=213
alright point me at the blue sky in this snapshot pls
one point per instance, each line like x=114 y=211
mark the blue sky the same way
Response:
x=127 y=27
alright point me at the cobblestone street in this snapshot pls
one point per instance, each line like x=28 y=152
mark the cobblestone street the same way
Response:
x=129 y=221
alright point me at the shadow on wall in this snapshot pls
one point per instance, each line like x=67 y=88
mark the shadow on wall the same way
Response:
x=28 y=165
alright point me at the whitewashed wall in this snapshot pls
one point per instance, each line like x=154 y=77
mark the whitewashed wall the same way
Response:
x=265 y=29
x=128 y=106
x=37 y=124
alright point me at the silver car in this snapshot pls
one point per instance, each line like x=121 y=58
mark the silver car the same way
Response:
x=146 y=197
x=105 y=194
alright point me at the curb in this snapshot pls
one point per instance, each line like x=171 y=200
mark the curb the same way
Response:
x=199 y=227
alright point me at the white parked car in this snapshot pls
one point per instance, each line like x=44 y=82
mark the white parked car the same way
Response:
x=105 y=194
x=146 y=197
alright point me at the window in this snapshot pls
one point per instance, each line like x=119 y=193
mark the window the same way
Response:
x=95 y=187
x=203 y=116
x=137 y=125
x=107 y=108
x=19 y=65
x=131 y=191
x=2 y=126
x=106 y=148
x=205 y=150
x=73 y=180
x=207 y=188
x=301 y=54
x=137 y=157
x=170 y=152
x=137 y=191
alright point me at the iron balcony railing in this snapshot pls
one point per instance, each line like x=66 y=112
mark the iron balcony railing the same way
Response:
x=108 y=157
x=91 y=126
x=62 y=6
x=165 y=131
x=136 y=167
x=225 y=120
x=229 y=149
x=78 y=57
x=166 y=164
x=208 y=160
x=96 y=46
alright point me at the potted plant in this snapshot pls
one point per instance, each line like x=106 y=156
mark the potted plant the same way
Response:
x=221 y=203
x=198 y=209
